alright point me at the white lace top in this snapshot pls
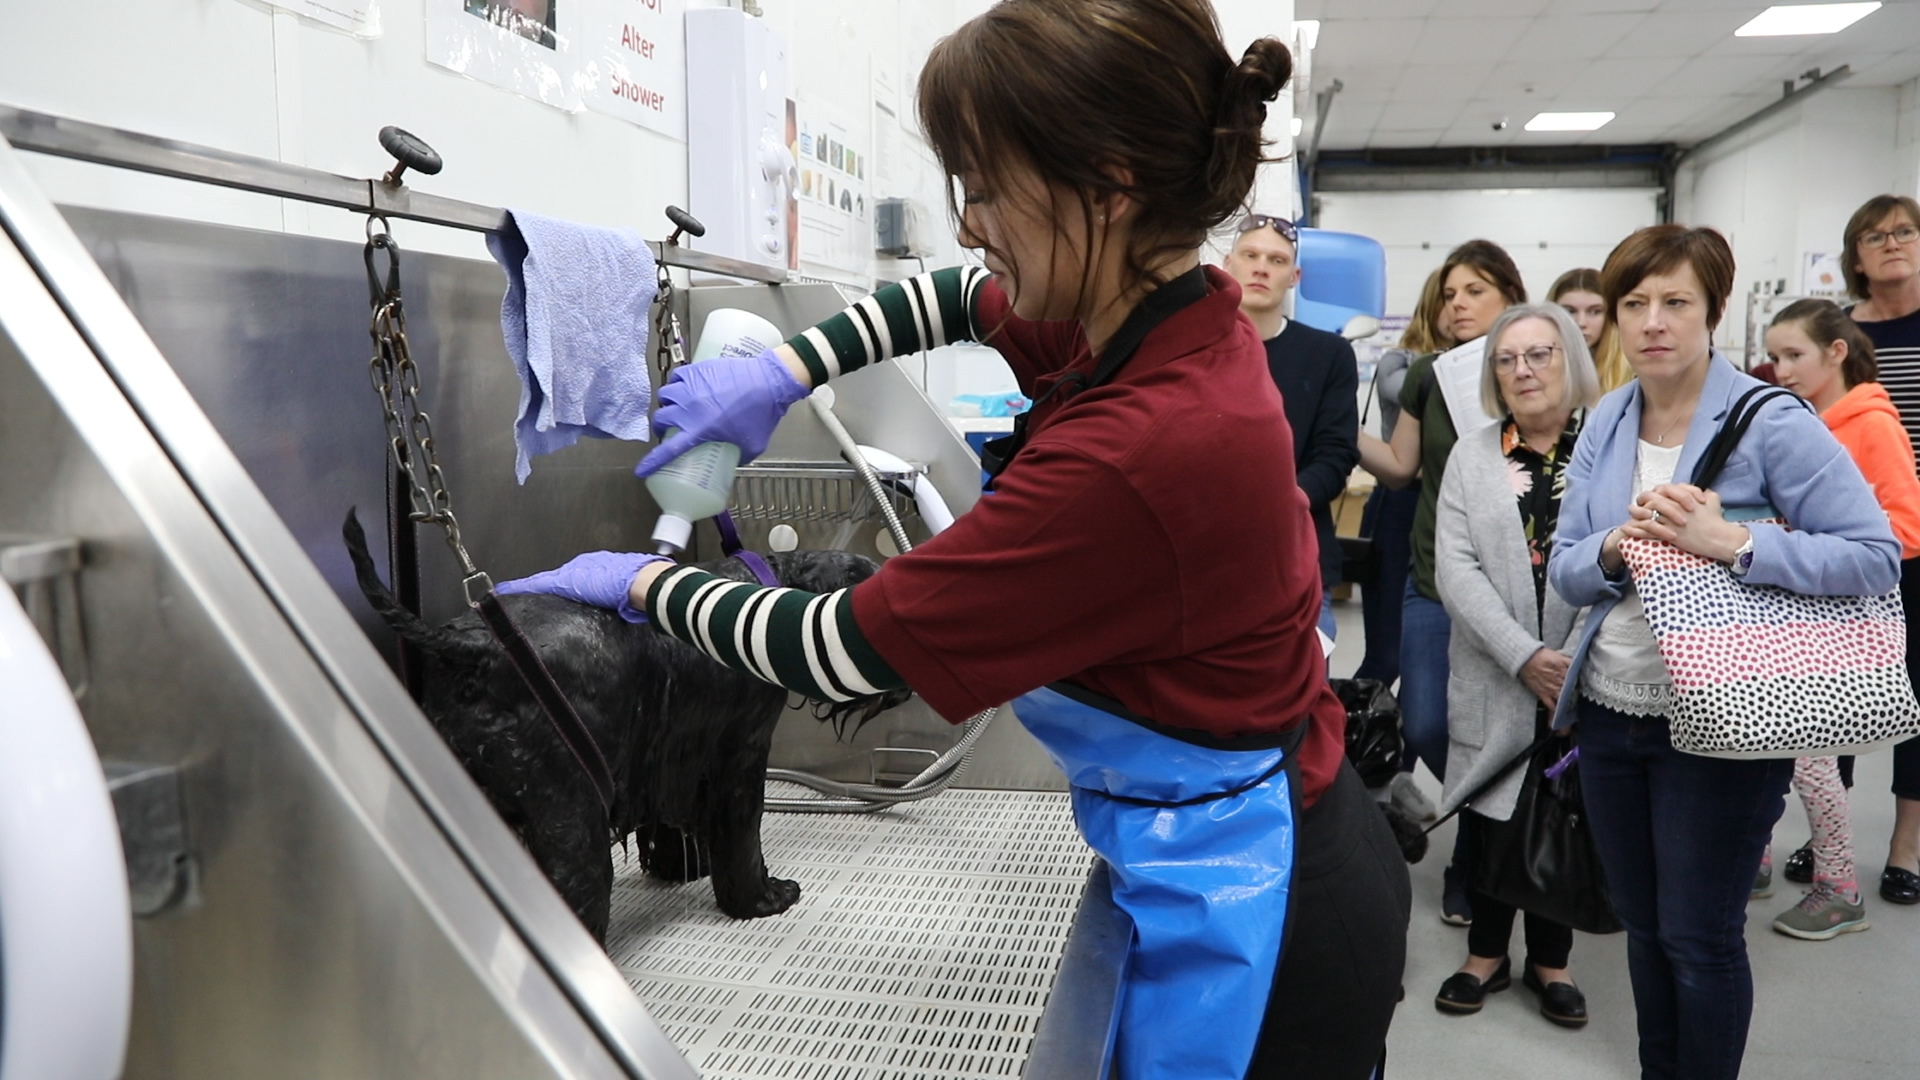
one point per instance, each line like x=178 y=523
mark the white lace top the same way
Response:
x=1624 y=671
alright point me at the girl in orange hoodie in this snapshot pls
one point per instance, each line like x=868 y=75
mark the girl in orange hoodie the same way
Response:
x=1819 y=354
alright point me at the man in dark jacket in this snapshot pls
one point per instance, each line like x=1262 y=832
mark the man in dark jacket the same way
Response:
x=1315 y=372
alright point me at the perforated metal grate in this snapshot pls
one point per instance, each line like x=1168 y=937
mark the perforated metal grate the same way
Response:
x=924 y=944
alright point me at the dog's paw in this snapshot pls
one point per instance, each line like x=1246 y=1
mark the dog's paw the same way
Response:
x=779 y=895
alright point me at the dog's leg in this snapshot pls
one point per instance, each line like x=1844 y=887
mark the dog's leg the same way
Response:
x=741 y=883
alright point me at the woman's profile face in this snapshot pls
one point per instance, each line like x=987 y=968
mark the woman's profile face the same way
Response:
x=1469 y=304
x=1663 y=324
x=1589 y=312
x=1033 y=238
x=1801 y=365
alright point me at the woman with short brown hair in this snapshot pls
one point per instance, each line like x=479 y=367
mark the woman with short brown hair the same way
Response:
x=1680 y=835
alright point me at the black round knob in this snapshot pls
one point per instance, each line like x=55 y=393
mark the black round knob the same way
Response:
x=411 y=151
x=685 y=222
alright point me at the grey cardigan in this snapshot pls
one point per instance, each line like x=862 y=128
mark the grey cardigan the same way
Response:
x=1485 y=578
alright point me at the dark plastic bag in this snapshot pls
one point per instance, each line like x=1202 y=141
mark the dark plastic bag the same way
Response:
x=1374 y=744
x=1542 y=859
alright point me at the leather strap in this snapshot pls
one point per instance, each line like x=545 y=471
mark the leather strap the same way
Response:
x=539 y=681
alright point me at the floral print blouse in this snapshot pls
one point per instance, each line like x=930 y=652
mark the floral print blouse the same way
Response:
x=1539 y=481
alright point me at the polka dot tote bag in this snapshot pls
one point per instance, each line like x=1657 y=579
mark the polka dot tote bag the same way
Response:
x=1763 y=672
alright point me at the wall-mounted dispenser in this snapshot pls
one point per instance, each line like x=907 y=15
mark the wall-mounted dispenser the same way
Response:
x=740 y=171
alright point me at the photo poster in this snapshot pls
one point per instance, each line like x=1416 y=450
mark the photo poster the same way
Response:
x=1822 y=275
x=836 y=209
x=636 y=62
x=525 y=46
x=361 y=18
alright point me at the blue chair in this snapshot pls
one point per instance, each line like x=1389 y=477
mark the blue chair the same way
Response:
x=1344 y=286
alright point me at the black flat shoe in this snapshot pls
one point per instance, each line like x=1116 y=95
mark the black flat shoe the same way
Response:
x=1899 y=886
x=1800 y=866
x=1562 y=1003
x=1462 y=993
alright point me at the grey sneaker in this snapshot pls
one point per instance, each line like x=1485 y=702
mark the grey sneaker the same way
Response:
x=1821 y=914
x=1408 y=800
x=1762 y=883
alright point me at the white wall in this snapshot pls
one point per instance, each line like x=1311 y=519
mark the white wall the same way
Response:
x=1783 y=190
x=1546 y=231
x=236 y=76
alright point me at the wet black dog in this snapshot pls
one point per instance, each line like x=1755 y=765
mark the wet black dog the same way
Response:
x=685 y=737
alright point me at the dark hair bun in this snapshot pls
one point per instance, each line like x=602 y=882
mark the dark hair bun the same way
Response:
x=1258 y=78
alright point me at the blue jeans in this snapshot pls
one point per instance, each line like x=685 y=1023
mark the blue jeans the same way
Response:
x=1680 y=838
x=1388 y=519
x=1425 y=629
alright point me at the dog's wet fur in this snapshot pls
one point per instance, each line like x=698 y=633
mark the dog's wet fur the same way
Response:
x=685 y=737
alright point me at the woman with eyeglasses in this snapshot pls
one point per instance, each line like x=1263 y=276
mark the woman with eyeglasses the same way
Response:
x=1513 y=637
x=1478 y=282
x=1144 y=581
x=1882 y=245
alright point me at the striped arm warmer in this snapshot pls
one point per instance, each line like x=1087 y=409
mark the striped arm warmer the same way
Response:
x=800 y=640
x=920 y=313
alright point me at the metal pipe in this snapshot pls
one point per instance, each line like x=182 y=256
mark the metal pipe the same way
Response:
x=1819 y=83
x=61 y=136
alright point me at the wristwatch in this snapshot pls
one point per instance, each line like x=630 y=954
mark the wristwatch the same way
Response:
x=1742 y=557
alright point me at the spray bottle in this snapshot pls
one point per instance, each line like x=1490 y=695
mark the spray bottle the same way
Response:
x=698 y=483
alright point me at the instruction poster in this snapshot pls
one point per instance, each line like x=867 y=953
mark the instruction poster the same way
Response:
x=526 y=46
x=836 y=220
x=636 y=62
x=360 y=18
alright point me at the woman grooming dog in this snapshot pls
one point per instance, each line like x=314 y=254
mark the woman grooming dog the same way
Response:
x=1143 y=583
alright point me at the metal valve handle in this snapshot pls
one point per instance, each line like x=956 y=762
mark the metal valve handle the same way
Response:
x=409 y=151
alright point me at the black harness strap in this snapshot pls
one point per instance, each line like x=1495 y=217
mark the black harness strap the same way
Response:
x=1160 y=305
x=566 y=723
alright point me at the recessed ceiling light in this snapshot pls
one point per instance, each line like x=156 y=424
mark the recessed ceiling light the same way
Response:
x=1308 y=31
x=1569 y=121
x=1792 y=19
x=1298 y=123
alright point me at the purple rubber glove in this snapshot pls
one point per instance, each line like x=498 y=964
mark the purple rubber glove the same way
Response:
x=730 y=399
x=598 y=578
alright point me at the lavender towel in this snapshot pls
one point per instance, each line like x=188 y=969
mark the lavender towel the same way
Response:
x=575 y=322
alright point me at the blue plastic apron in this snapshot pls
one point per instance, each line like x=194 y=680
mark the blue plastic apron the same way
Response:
x=1205 y=883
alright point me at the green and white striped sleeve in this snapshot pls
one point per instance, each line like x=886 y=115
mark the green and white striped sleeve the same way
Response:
x=803 y=641
x=922 y=312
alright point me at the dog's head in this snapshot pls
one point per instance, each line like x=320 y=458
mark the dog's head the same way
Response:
x=822 y=572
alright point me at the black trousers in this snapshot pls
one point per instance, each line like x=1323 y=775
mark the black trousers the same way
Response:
x=1346 y=943
x=1548 y=942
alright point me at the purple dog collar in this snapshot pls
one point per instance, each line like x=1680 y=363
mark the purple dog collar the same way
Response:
x=730 y=543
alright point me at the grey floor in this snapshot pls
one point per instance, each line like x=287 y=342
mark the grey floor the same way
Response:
x=1849 y=1007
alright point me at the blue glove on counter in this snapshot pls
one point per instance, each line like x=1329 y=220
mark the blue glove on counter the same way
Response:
x=730 y=399
x=598 y=578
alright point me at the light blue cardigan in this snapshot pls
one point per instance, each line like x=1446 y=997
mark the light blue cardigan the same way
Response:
x=1840 y=543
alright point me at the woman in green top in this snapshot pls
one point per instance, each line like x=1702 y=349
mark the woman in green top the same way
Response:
x=1478 y=282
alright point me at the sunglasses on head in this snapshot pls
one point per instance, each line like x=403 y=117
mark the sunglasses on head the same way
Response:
x=1285 y=228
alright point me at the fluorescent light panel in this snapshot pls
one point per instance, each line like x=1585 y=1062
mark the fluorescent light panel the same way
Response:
x=1298 y=123
x=1794 y=19
x=1569 y=121
x=1309 y=31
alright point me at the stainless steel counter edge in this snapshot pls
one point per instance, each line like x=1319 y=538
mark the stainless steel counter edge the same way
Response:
x=277 y=565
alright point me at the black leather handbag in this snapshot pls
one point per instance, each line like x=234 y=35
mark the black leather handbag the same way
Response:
x=1542 y=860
x=1374 y=742
x=1359 y=559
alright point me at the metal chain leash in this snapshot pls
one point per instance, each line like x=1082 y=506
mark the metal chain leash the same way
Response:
x=396 y=378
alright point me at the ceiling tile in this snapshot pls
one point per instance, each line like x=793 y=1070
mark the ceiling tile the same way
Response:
x=1424 y=82
x=1363 y=9
x=1682 y=34
x=1397 y=140
x=1587 y=7
x=1482 y=40
x=1435 y=112
x=1619 y=79
x=1373 y=83
x=1573 y=37
x=1725 y=75
x=1367 y=41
